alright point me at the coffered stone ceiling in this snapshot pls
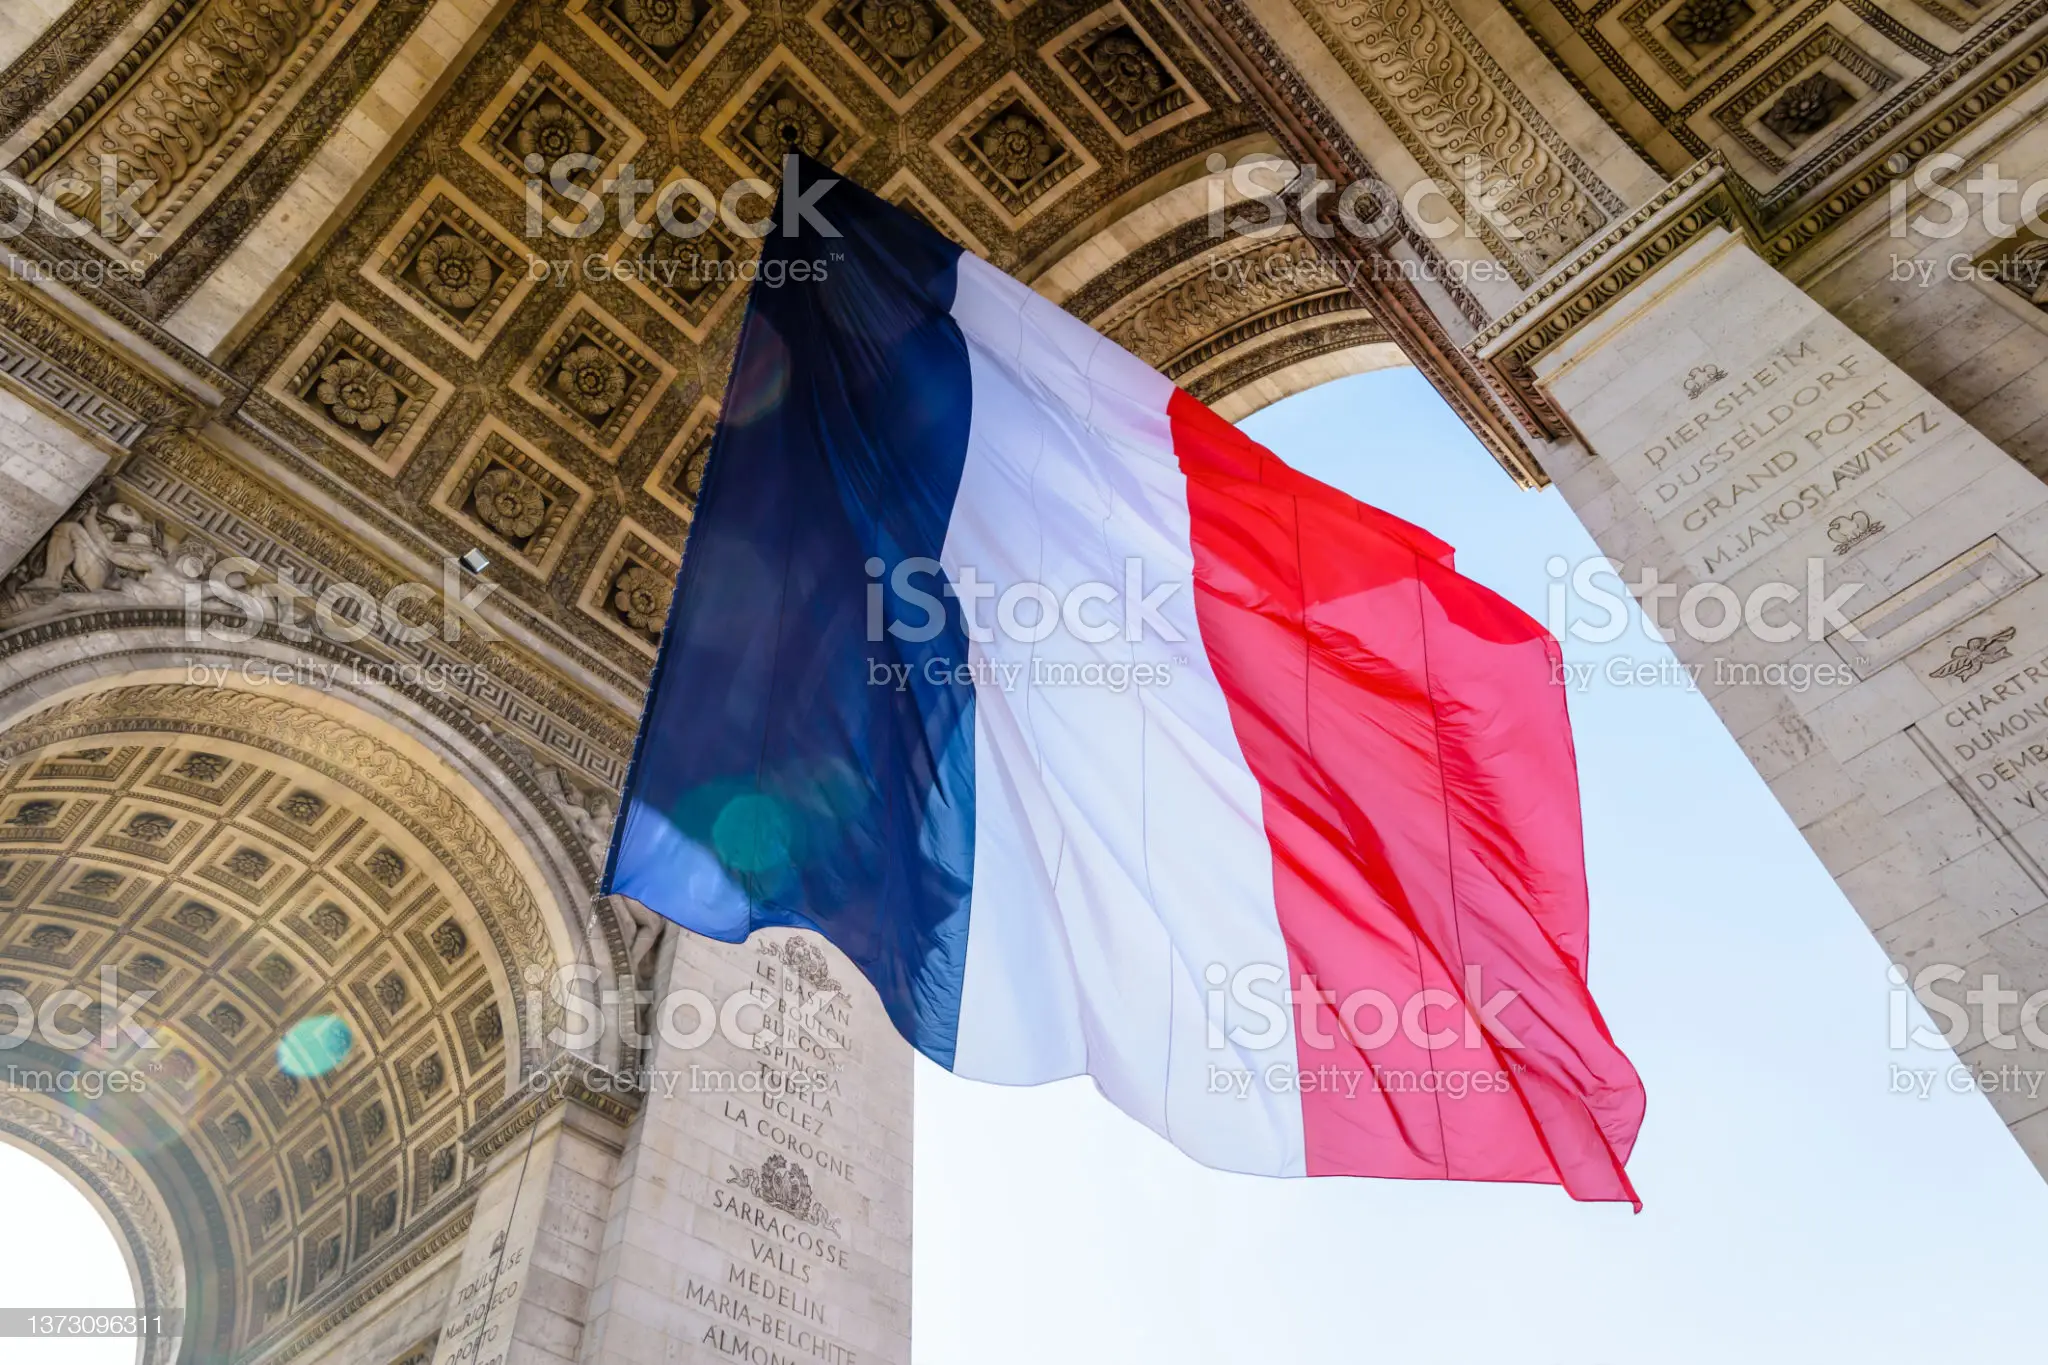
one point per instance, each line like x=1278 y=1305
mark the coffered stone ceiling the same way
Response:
x=251 y=867
x=1796 y=95
x=418 y=360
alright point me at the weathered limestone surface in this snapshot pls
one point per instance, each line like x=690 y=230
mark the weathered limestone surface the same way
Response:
x=761 y=1212
x=1762 y=456
x=44 y=466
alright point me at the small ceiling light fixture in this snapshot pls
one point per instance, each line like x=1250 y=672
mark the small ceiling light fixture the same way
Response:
x=475 y=560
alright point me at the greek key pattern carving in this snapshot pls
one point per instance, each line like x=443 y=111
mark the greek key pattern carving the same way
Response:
x=57 y=385
x=1531 y=198
x=33 y=329
x=243 y=519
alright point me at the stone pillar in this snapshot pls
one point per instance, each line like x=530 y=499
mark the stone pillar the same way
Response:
x=530 y=1262
x=44 y=467
x=762 y=1213
x=69 y=409
x=1741 y=441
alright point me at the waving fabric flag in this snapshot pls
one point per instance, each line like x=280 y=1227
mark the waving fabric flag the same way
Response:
x=1106 y=744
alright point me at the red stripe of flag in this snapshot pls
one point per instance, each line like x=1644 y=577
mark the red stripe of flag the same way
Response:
x=1408 y=730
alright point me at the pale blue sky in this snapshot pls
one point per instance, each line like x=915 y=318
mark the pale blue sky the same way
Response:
x=1796 y=1212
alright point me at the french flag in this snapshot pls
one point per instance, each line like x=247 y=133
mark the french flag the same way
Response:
x=1106 y=744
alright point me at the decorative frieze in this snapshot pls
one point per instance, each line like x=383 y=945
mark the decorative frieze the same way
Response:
x=1208 y=299
x=58 y=364
x=162 y=123
x=1512 y=176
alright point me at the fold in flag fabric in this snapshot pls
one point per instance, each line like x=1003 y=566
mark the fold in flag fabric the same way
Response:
x=1106 y=744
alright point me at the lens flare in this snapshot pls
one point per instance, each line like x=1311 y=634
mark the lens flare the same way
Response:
x=752 y=835
x=313 y=1047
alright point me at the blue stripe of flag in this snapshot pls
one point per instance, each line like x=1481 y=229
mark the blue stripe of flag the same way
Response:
x=790 y=770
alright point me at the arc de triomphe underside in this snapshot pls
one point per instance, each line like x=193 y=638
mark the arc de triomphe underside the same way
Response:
x=287 y=335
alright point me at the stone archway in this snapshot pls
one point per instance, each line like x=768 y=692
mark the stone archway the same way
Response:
x=241 y=863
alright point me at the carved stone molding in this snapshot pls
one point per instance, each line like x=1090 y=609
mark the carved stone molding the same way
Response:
x=61 y=51
x=1497 y=414
x=1257 y=362
x=1511 y=175
x=1203 y=304
x=167 y=118
x=610 y=1095
x=58 y=364
x=182 y=472
x=1705 y=197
